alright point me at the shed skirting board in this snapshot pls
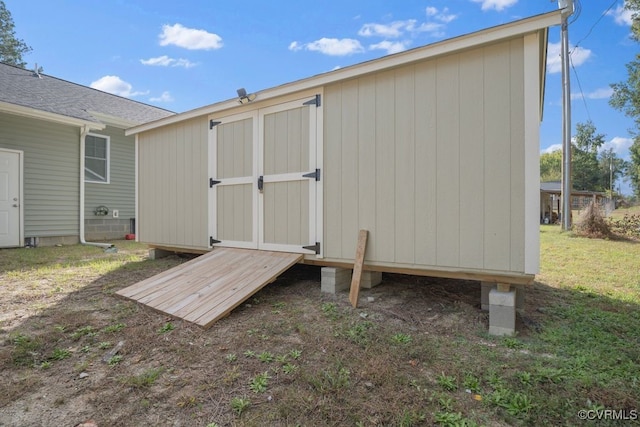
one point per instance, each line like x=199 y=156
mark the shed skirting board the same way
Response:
x=416 y=270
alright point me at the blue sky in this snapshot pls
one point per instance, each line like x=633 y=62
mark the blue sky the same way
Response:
x=181 y=55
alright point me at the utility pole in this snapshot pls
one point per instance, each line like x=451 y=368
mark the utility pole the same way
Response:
x=567 y=10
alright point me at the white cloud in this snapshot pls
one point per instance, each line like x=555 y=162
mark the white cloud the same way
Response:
x=392 y=30
x=621 y=16
x=602 y=93
x=165 y=61
x=442 y=16
x=116 y=86
x=579 y=56
x=165 y=97
x=390 y=47
x=189 y=38
x=551 y=148
x=433 y=28
x=620 y=146
x=496 y=4
x=295 y=46
x=329 y=46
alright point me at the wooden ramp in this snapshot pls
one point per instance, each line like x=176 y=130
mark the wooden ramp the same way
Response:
x=207 y=288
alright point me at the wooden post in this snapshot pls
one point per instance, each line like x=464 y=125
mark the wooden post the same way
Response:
x=357 y=267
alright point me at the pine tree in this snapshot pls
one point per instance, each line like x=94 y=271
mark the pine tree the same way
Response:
x=11 y=48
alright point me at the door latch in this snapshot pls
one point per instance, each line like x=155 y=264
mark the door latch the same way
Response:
x=260 y=183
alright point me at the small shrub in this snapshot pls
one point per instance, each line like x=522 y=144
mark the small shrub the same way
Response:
x=628 y=225
x=592 y=224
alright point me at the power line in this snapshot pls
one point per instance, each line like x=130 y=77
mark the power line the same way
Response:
x=584 y=99
x=595 y=24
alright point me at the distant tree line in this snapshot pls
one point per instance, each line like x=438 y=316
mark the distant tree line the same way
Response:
x=592 y=169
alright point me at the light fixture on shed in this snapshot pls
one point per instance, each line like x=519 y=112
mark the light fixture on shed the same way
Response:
x=243 y=97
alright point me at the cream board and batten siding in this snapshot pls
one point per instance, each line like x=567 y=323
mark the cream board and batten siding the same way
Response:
x=432 y=158
x=434 y=150
x=173 y=185
x=50 y=178
x=120 y=192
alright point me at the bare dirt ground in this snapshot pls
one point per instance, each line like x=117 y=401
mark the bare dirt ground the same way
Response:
x=72 y=352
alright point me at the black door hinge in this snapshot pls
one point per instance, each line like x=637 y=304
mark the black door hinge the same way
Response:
x=315 y=101
x=213 y=124
x=213 y=182
x=315 y=248
x=213 y=241
x=315 y=175
x=260 y=183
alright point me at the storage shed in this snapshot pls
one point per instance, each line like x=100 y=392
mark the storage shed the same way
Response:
x=434 y=151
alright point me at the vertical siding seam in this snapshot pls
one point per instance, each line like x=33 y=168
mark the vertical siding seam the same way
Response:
x=510 y=153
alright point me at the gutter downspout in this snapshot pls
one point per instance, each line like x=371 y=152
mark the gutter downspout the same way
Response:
x=84 y=130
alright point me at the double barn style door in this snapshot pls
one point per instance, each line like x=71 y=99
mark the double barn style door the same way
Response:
x=265 y=182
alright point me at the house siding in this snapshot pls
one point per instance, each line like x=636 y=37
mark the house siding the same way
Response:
x=173 y=185
x=430 y=159
x=118 y=194
x=51 y=180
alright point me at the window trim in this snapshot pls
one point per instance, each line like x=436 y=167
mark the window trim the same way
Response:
x=108 y=159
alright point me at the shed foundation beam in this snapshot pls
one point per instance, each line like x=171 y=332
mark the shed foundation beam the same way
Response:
x=335 y=279
x=502 y=312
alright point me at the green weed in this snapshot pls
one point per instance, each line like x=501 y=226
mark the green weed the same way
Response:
x=259 y=383
x=240 y=404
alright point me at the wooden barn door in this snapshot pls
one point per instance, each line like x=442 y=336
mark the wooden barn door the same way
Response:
x=233 y=164
x=265 y=179
x=288 y=177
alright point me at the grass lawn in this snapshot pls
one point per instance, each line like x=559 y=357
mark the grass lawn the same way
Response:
x=415 y=352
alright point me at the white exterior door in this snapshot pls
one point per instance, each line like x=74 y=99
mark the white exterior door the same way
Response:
x=10 y=198
x=265 y=178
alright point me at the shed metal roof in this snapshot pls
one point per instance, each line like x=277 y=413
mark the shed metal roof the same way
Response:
x=538 y=23
x=39 y=95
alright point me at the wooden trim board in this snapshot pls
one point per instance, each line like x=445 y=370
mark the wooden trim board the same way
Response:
x=209 y=287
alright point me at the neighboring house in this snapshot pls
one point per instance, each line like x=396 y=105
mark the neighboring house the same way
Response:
x=50 y=130
x=551 y=206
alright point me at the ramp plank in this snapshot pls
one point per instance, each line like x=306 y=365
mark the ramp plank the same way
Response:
x=207 y=288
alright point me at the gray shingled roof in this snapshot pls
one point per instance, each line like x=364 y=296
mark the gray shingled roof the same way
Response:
x=45 y=93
